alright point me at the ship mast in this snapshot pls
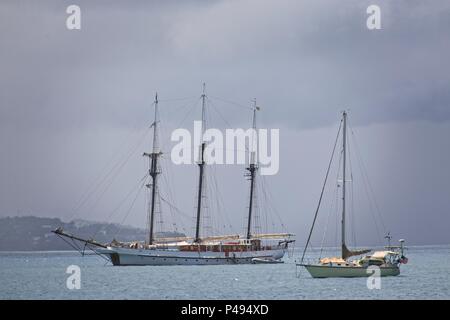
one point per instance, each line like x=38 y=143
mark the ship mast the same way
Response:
x=344 y=147
x=153 y=171
x=252 y=171
x=201 y=165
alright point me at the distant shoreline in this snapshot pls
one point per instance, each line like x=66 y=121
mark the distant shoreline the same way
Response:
x=31 y=234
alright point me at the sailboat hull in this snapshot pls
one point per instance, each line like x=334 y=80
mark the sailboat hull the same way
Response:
x=326 y=271
x=142 y=257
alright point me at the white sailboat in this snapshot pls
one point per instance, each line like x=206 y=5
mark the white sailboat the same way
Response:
x=387 y=261
x=197 y=250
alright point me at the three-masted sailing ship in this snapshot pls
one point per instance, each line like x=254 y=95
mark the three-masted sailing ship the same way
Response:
x=196 y=250
x=388 y=261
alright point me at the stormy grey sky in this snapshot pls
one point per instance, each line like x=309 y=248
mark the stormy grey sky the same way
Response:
x=73 y=103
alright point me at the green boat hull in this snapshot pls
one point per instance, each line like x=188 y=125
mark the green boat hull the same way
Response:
x=326 y=271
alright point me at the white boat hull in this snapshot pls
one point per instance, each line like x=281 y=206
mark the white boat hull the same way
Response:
x=265 y=261
x=146 y=257
x=326 y=271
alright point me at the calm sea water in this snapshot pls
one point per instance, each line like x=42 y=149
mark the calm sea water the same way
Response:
x=42 y=275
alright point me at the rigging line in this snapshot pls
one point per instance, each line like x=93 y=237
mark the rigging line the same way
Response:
x=123 y=142
x=169 y=182
x=99 y=254
x=268 y=209
x=266 y=200
x=166 y=183
x=214 y=193
x=321 y=193
x=129 y=209
x=269 y=218
x=113 y=178
x=231 y=102
x=218 y=207
x=367 y=177
x=189 y=111
x=262 y=203
x=206 y=204
x=244 y=218
x=221 y=202
x=162 y=221
x=162 y=114
x=367 y=183
x=183 y=214
x=177 y=99
x=147 y=220
x=167 y=177
x=180 y=107
x=263 y=207
x=257 y=214
x=218 y=112
x=99 y=180
x=371 y=208
x=72 y=244
x=331 y=207
x=211 y=190
x=271 y=201
x=116 y=209
x=352 y=211
x=339 y=204
x=258 y=207
x=82 y=252
x=333 y=203
x=112 y=174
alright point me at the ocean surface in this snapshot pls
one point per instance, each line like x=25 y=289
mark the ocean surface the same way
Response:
x=42 y=275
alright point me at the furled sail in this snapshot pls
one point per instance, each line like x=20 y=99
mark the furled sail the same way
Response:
x=272 y=235
x=346 y=253
x=211 y=238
